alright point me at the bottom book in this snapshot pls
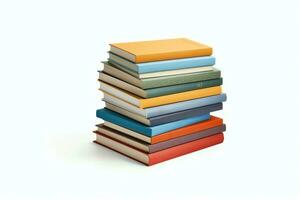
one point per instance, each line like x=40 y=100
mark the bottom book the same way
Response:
x=160 y=156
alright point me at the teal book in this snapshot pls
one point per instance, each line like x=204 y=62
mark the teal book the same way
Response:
x=121 y=120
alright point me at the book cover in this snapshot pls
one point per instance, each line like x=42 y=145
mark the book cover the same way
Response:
x=151 y=148
x=162 y=81
x=168 y=49
x=161 y=100
x=193 y=128
x=167 y=118
x=160 y=156
x=133 y=125
x=164 y=109
x=161 y=91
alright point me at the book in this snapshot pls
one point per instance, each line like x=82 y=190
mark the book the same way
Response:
x=161 y=91
x=186 y=130
x=163 y=80
x=147 y=51
x=164 y=109
x=167 y=118
x=151 y=148
x=159 y=66
x=111 y=67
x=160 y=156
x=121 y=120
x=161 y=100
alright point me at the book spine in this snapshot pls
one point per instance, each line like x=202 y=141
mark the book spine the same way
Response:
x=129 y=71
x=186 y=148
x=181 y=79
x=173 y=55
x=155 y=92
x=116 y=59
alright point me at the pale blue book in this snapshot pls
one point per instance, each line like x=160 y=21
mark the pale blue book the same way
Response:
x=164 y=109
x=184 y=105
x=121 y=120
x=162 y=65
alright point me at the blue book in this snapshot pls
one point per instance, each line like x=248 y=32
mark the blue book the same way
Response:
x=149 y=131
x=165 y=109
x=184 y=105
x=162 y=65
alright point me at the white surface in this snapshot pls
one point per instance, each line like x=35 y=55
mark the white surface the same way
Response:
x=50 y=52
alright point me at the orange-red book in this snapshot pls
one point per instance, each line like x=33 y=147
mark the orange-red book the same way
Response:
x=160 y=156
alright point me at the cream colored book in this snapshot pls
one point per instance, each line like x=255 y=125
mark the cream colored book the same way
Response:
x=128 y=114
x=121 y=72
x=127 y=131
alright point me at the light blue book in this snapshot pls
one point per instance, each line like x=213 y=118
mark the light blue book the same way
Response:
x=150 y=131
x=167 y=109
x=184 y=105
x=162 y=65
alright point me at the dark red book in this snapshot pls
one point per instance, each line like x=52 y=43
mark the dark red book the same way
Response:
x=159 y=156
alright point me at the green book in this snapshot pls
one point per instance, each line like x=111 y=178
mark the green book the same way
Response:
x=162 y=81
x=161 y=91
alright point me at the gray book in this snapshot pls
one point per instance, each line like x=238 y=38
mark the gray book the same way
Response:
x=167 y=118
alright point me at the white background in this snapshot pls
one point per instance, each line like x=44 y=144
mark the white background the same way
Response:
x=50 y=52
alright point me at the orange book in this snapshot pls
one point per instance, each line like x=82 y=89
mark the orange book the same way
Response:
x=156 y=50
x=159 y=156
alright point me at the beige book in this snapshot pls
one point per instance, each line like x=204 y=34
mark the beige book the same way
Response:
x=124 y=73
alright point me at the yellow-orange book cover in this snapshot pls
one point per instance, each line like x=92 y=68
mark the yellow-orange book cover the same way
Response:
x=156 y=50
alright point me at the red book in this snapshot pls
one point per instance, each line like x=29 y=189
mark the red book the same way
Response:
x=160 y=156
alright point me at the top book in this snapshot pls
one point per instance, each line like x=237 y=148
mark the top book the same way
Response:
x=155 y=50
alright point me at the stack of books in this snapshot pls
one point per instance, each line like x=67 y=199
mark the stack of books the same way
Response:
x=158 y=98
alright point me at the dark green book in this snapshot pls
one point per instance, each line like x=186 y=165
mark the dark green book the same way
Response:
x=162 y=81
x=161 y=91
